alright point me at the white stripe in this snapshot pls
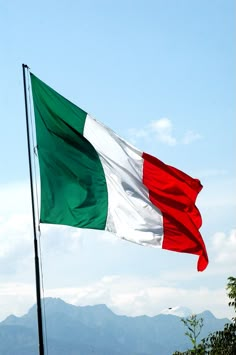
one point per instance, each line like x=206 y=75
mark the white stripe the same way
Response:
x=131 y=215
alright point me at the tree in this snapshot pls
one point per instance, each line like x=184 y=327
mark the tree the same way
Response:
x=231 y=288
x=194 y=326
x=224 y=342
x=221 y=342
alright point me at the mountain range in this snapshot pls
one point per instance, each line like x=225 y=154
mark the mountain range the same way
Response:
x=96 y=330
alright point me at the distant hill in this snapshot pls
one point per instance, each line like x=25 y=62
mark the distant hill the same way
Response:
x=96 y=330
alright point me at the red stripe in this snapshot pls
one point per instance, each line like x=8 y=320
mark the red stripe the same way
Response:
x=175 y=193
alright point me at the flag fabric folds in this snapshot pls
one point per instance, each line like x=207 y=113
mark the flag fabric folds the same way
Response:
x=92 y=178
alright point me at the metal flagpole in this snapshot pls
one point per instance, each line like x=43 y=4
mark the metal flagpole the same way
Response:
x=36 y=258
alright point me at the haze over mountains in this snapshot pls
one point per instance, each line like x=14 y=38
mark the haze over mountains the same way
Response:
x=88 y=330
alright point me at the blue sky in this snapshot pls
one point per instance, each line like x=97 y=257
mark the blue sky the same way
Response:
x=162 y=75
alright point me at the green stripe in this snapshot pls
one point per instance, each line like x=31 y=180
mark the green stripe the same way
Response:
x=73 y=184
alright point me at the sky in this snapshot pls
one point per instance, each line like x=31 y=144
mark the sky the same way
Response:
x=161 y=74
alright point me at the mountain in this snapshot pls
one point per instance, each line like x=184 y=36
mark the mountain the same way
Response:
x=96 y=330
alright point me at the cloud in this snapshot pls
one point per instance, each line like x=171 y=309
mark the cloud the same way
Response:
x=16 y=247
x=58 y=239
x=224 y=247
x=15 y=197
x=218 y=193
x=130 y=294
x=16 y=298
x=16 y=240
x=133 y=296
x=16 y=228
x=212 y=173
x=162 y=130
x=138 y=296
x=190 y=137
x=137 y=133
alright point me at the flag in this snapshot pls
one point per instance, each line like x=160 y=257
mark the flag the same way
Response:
x=92 y=178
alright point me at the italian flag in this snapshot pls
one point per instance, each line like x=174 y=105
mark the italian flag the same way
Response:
x=92 y=178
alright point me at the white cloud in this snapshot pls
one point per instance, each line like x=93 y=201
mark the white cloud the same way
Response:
x=162 y=130
x=224 y=247
x=123 y=294
x=131 y=296
x=218 y=193
x=15 y=226
x=16 y=240
x=16 y=298
x=138 y=296
x=212 y=173
x=136 y=134
x=190 y=137
x=59 y=239
x=15 y=198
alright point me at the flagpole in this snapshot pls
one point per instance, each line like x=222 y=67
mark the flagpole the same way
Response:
x=36 y=258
